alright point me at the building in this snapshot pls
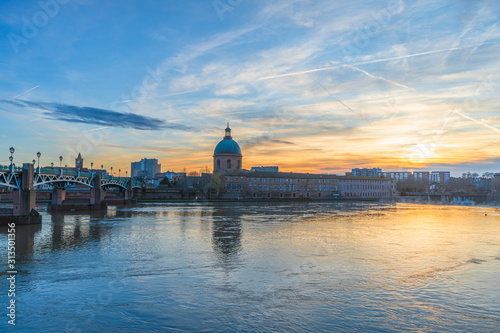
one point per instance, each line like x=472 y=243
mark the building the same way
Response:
x=440 y=177
x=266 y=168
x=396 y=175
x=268 y=182
x=145 y=168
x=259 y=184
x=172 y=176
x=496 y=183
x=366 y=172
x=422 y=176
x=227 y=154
x=79 y=162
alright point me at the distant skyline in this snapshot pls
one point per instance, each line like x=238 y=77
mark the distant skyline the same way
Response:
x=311 y=86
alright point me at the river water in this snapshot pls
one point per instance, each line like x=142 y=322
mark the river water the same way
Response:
x=259 y=267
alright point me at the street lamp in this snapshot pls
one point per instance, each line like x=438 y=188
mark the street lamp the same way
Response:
x=38 y=155
x=11 y=158
x=91 y=165
x=119 y=172
x=111 y=171
x=52 y=165
x=60 y=161
x=34 y=162
x=126 y=173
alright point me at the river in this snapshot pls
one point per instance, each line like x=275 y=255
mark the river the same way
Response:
x=259 y=267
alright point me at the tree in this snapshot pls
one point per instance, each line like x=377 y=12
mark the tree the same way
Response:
x=206 y=169
x=165 y=181
x=217 y=183
x=194 y=174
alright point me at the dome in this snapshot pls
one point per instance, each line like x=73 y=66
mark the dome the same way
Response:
x=227 y=146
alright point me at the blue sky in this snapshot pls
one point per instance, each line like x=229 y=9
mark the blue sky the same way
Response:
x=316 y=86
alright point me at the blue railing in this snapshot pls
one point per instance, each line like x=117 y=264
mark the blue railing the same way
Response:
x=70 y=173
x=7 y=168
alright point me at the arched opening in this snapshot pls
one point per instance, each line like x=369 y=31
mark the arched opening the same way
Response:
x=218 y=164
x=239 y=165
x=229 y=164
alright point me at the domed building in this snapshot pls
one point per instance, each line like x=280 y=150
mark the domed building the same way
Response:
x=227 y=154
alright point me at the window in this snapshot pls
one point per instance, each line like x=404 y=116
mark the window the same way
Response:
x=218 y=164
x=229 y=164
x=238 y=165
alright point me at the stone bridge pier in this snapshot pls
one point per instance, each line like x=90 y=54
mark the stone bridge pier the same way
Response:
x=97 y=194
x=23 y=211
x=58 y=196
x=94 y=202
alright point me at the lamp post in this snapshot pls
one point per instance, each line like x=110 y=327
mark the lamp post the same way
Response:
x=126 y=174
x=111 y=171
x=91 y=165
x=60 y=161
x=119 y=172
x=11 y=158
x=38 y=155
x=34 y=162
x=52 y=165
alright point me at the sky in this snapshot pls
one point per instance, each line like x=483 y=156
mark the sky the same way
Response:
x=310 y=86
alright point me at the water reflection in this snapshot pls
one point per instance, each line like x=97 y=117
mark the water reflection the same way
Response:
x=73 y=229
x=25 y=238
x=226 y=233
x=262 y=267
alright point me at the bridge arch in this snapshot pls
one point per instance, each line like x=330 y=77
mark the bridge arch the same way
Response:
x=117 y=184
x=42 y=179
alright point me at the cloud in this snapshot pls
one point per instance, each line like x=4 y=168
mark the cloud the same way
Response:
x=95 y=116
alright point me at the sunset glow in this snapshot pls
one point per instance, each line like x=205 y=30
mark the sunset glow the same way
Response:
x=321 y=86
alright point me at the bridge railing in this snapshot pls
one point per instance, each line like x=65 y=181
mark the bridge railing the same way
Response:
x=7 y=168
x=65 y=172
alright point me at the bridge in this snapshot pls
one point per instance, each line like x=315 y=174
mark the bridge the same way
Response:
x=453 y=197
x=23 y=182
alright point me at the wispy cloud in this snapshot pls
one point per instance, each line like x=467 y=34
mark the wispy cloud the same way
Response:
x=95 y=116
